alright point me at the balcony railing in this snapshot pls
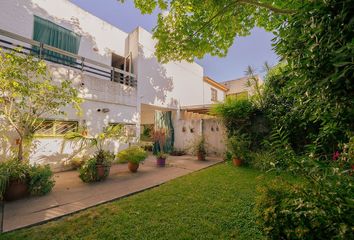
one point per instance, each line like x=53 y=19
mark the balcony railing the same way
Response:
x=11 y=41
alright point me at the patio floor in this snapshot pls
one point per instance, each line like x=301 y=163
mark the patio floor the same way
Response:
x=70 y=194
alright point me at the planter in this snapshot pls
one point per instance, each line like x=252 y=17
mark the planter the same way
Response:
x=161 y=162
x=102 y=171
x=16 y=189
x=237 y=162
x=201 y=156
x=133 y=167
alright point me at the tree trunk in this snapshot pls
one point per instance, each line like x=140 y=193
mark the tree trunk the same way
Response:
x=20 y=149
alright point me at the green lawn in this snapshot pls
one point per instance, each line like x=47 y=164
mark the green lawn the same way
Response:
x=216 y=203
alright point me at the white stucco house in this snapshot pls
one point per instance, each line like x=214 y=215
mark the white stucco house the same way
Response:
x=116 y=73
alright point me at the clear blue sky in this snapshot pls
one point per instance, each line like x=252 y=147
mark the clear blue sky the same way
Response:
x=253 y=50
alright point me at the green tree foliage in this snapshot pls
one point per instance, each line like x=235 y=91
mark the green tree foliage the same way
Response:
x=28 y=94
x=191 y=29
x=311 y=94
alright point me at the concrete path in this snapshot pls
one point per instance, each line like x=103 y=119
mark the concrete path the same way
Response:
x=70 y=194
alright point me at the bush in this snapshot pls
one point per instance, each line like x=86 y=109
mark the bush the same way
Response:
x=322 y=208
x=38 y=178
x=133 y=154
x=236 y=114
x=41 y=180
x=280 y=152
x=262 y=160
x=238 y=146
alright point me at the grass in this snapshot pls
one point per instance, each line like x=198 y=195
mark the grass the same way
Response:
x=216 y=203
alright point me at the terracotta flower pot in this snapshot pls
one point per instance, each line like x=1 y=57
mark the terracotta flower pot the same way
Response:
x=201 y=156
x=16 y=189
x=237 y=162
x=100 y=170
x=133 y=167
x=161 y=162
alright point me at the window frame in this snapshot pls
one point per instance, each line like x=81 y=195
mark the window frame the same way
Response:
x=214 y=94
x=53 y=133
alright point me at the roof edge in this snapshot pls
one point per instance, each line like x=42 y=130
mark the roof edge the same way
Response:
x=215 y=84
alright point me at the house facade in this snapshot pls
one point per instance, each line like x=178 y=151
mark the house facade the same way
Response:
x=241 y=87
x=116 y=73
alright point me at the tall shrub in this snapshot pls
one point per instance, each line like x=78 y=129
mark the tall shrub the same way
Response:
x=318 y=84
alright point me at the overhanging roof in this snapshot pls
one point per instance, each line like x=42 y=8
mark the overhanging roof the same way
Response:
x=215 y=84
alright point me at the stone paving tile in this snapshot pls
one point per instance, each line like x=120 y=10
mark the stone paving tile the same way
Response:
x=71 y=195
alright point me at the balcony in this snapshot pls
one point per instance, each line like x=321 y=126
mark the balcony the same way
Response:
x=11 y=41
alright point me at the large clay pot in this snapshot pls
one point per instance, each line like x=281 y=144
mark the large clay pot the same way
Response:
x=15 y=190
x=161 y=162
x=237 y=162
x=100 y=171
x=133 y=167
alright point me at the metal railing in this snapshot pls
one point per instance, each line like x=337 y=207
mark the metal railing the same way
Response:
x=59 y=56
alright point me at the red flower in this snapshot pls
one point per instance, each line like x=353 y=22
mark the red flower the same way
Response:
x=335 y=155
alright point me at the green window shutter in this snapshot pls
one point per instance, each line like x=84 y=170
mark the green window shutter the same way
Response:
x=49 y=33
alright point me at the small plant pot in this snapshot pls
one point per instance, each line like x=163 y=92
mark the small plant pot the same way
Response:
x=161 y=162
x=237 y=162
x=16 y=189
x=133 y=167
x=201 y=157
x=100 y=171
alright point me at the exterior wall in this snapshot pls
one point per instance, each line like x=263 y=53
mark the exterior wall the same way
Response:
x=207 y=94
x=239 y=85
x=98 y=38
x=188 y=131
x=162 y=86
x=166 y=85
x=97 y=94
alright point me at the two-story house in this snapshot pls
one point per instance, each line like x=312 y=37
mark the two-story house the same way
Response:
x=116 y=73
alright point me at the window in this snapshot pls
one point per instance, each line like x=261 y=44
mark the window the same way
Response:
x=123 y=64
x=49 y=33
x=214 y=95
x=56 y=128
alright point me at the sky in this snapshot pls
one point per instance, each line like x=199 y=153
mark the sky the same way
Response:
x=252 y=50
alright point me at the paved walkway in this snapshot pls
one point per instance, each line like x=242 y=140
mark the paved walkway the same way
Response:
x=71 y=195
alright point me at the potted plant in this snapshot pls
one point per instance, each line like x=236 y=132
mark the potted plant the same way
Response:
x=161 y=159
x=18 y=179
x=134 y=156
x=199 y=149
x=97 y=168
x=238 y=145
x=14 y=179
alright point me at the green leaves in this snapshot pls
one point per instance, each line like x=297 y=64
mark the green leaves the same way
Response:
x=132 y=154
x=194 y=28
x=28 y=94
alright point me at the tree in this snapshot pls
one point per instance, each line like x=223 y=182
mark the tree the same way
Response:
x=191 y=29
x=28 y=95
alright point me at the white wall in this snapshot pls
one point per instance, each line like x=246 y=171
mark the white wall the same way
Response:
x=207 y=93
x=239 y=85
x=98 y=38
x=188 y=131
x=166 y=85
